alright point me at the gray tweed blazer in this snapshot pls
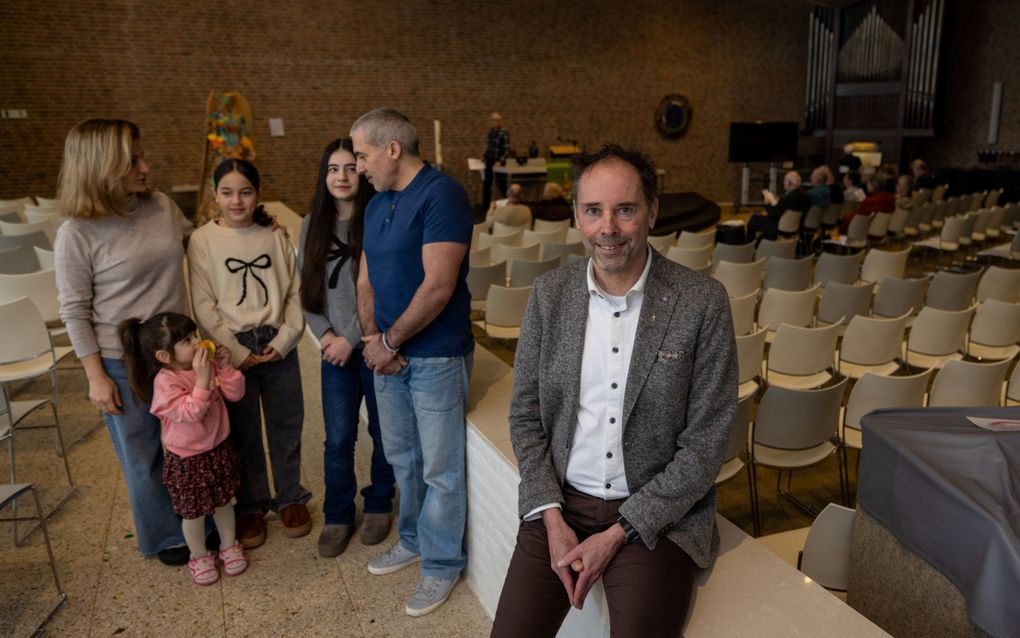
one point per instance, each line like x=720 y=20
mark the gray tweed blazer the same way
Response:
x=678 y=405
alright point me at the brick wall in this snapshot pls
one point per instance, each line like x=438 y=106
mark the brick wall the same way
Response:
x=592 y=71
x=981 y=49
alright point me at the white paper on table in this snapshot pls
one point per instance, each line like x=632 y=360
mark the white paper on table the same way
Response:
x=996 y=425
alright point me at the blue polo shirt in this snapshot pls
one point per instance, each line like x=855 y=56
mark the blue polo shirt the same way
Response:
x=432 y=208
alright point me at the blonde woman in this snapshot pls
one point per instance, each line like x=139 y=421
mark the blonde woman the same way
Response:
x=118 y=255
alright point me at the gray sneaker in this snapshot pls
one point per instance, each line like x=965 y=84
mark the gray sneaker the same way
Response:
x=430 y=594
x=392 y=560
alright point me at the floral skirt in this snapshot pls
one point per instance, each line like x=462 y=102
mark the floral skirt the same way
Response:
x=201 y=483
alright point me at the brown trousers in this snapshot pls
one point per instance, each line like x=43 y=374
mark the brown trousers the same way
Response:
x=648 y=591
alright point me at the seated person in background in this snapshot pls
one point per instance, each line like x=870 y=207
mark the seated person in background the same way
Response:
x=513 y=213
x=879 y=200
x=554 y=206
x=765 y=223
x=819 y=191
x=852 y=191
x=890 y=171
x=922 y=178
x=904 y=191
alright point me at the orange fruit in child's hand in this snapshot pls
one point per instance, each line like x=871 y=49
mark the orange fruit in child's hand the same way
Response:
x=209 y=346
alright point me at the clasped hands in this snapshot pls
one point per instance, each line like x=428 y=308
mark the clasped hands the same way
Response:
x=579 y=565
x=379 y=358
x=252 y=360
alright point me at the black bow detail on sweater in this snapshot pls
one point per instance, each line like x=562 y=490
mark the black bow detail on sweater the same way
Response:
x=261 y=262
x=341 y=250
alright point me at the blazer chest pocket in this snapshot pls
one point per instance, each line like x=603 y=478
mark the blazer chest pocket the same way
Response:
x=667 y=356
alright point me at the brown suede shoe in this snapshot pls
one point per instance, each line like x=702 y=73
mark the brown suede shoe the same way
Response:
x=251 y=530
x=375 y=529
x=296 y=520
x=333 y=539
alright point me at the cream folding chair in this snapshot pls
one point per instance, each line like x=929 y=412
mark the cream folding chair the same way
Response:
x=857 y=231
x=18 y=203
x=499 y=228
x=742 y=311
x=830 y=218
x=1013 y=388
x=46 y=201
x=967 y=384
x=476 y=230
x=750 y=350
x=553 y=249
x=937 y=336
x=9 y=494
x=876 y=392
x=998 y=283
x=939 y=193
x=993 y=198
x=739 y=278
x=879 y=227
x=543 y=225
x=952 y=291
x=12 y=217
x=841 y=302
x=976 y=200
x=802 y=358
x=911 y=223
x=573 y=236
x=693 y=258
x=34 y=215
x=480 y=278
x=796 y=429
x=872 y=344
x=26 y=354
x=44 y=257
x=38 y=238
x=524 y=272
x=879 y=265
x=897 y=223
x=966 y=239
x=510 y=254
x=539 y=236
x=896 y=296
x=662 y=243
x=994 y=229
x=789 y=223
x=737 y=445
x=18 y=261
x=821 y=552
x=839 y=268
x=784 y=306
x=785 y=248
x=41 y=288
x=481 y=257
x=948 y=240
x=48 y=227
x=487 y=240
x=788 y=274
x=984 y=218
x=689 y=239
x=734 y=253
x=995 y=331
x=504 y=311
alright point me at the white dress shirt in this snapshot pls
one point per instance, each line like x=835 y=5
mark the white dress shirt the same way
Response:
x=595 y=464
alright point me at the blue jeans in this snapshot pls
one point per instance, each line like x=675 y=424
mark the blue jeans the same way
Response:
x=343 y=387
x=421 y=410
x=136 y=440
x=272 y=389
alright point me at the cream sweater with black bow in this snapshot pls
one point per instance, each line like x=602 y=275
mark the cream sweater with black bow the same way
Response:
x=241 y=279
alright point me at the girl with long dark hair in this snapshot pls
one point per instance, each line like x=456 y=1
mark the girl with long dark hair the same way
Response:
x=330 y=252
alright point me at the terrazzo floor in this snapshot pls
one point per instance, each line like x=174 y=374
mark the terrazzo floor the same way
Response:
x=114 y=591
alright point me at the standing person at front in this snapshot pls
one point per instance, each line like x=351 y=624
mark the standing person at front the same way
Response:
x=497 y=148
x=625 y=385
x=120 y=253
x=244 y=289
x=414 y=306
x=331 y=240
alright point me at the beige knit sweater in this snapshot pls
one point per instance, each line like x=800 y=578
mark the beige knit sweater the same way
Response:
x=241 y=279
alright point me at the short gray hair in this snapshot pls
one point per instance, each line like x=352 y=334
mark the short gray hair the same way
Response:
x=384 y=125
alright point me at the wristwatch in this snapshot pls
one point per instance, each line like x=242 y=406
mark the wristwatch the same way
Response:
x=628 y=529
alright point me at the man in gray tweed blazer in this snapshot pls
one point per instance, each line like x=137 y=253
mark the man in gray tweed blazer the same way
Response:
x=625 y=385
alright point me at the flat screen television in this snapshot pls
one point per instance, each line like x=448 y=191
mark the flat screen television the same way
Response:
x=763 y=141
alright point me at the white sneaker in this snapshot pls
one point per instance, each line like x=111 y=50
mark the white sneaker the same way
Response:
x=392 y=560
x=430 y=594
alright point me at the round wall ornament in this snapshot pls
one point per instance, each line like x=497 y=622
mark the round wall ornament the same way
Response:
x=673 y=116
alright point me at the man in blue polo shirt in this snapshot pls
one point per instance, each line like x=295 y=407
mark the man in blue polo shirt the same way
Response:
x=414 y=305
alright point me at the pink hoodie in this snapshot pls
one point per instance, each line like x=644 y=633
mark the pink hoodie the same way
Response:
x=194 y=420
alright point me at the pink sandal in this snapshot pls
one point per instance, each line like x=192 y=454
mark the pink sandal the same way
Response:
x=233 y=559
x=203 y=570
